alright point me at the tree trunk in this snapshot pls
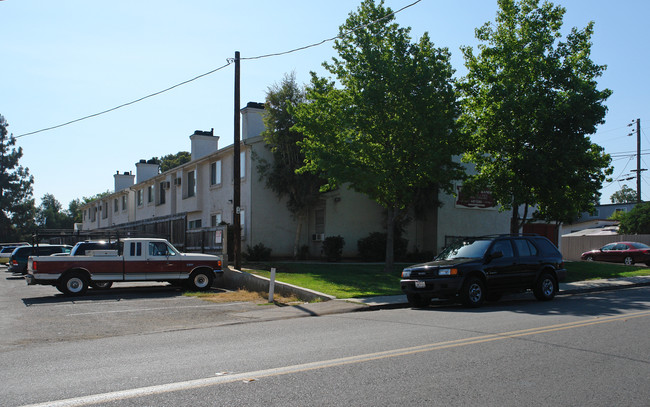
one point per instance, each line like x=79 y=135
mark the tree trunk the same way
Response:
x=514 y=221
x=390 y=239
x=296 y=240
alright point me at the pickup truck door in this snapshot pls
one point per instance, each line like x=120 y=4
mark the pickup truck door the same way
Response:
x=161 y=262
x=135 y=262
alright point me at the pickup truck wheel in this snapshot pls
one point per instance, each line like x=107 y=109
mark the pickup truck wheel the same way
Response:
x=101 y=285
x=73 y=284
x=473 y=292
x=200 y=280
x=545 y=287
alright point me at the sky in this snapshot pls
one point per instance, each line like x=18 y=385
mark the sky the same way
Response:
x=64 y=60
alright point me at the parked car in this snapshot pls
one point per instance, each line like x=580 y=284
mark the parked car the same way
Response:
x=5 y=254
x=620 y=252
x=475 y=269
x=18 y=259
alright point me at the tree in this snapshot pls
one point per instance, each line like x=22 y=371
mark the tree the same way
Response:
x=49 y=214
x=16 y=202
x=169 y=161
x=624 y=195
x=389 y=131
x=301 y=190
x=636 y=221
x=529 y=102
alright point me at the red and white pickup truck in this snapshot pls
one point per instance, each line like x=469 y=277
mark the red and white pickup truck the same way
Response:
x=137 y=259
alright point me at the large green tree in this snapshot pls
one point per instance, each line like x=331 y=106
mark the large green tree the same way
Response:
x=50 y=214
x=636 y=221
x=169 y=161
x=16 y=201
x=388 y=129
x=300 y=190
x=529 y=102
x=624 y=195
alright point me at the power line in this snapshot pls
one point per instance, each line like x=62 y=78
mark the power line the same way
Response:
x=126 y=104
x=229 y=61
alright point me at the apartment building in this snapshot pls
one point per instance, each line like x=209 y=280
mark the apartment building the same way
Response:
x=199 y=195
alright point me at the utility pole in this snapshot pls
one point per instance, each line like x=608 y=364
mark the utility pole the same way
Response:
x=237 y=172
x=638 y=158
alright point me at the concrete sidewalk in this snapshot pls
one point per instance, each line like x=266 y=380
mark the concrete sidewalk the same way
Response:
x=339 y=306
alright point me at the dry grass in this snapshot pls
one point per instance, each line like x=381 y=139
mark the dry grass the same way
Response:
x=244 y=296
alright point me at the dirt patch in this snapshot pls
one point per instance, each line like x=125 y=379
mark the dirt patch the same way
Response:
x=245 y=296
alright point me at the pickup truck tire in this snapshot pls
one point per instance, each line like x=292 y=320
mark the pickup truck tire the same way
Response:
x=200 y=280
x=73 y=284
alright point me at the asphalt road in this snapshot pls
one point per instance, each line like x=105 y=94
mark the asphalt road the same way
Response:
x=153 y=347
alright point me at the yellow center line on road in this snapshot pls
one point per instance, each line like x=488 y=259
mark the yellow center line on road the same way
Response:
x=230 y=378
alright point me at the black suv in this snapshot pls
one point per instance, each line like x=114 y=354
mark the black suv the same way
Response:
x=480 y=268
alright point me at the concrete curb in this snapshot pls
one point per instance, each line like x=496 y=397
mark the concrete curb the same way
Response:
x=234 y=279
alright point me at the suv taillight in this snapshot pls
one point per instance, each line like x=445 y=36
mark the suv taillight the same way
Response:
x=14 y=262
x=34 y=265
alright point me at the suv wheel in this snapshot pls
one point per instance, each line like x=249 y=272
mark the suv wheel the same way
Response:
x=473 y=292
x=418 y=301
x=545 y=287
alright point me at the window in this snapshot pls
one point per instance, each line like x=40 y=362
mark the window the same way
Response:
x=104 y=209
x=525 y=248
x=242 y=164
x=123 y=202
x=116 y=205
x=215 y=173
x=160 y=249
x=194 y=224
x=504 y=247
x=191 y=184
x=161 y=193
x=150 y=194
x=215 y=219
x=319 y=215
x=140 y=198
x=136 y=248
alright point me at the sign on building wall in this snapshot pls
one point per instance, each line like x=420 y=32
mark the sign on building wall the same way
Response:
x=481 y=200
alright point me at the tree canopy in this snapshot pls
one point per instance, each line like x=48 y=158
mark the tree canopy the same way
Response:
x=16 y=201
x=636 y=221
x=301 y=190
x=529 y=101
x=388 y=130
x=169 y=161
x=624 y=195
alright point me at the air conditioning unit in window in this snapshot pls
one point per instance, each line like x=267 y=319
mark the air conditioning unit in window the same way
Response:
x=318 y=237
x=177 y=181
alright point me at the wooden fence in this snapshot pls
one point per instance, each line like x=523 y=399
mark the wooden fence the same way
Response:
x=573 y=246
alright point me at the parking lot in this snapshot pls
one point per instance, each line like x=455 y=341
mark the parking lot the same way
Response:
x=41 y=314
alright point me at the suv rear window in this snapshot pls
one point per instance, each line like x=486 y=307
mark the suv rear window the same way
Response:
x=545 y=246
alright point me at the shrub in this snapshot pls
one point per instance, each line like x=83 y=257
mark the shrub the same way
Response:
x=303 y=252
x=373 y=247
x=259 y=252
x=333 y=247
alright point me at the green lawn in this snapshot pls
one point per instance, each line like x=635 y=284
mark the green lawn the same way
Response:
x=364 y=280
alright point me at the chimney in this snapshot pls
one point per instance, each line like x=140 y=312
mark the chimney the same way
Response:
x=145 y=170
x=203 y=143
x=123 y=181
x=252 y=123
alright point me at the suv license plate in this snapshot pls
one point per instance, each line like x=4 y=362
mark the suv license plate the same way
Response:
x=420 y=284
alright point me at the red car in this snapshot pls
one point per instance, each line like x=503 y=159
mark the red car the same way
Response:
x=620 y=252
